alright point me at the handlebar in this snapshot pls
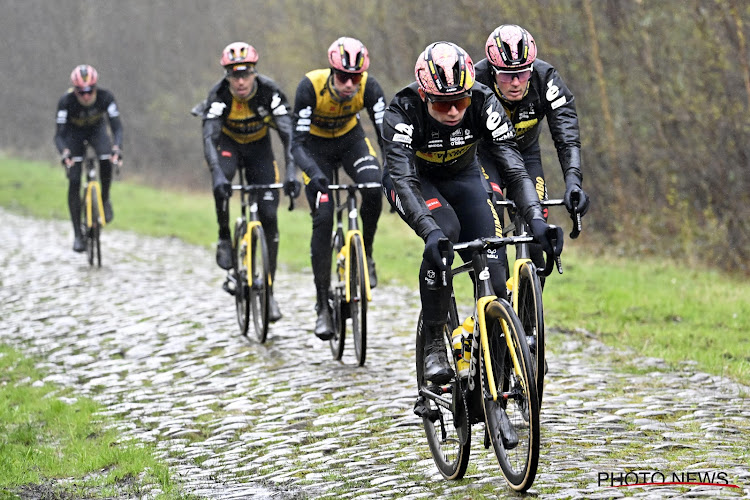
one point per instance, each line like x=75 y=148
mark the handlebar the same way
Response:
x=355 y=187
x=254 y=188
x=575 y=216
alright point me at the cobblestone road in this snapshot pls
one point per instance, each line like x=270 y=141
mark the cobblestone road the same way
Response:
x=152 y=337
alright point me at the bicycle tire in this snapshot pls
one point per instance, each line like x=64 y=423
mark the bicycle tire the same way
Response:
x=337 y=300
x=242 y=289
x=260 y=282
x=516 y=397
x=531 y=313
x=93 y=245
x=358 y=298
x=450 y=448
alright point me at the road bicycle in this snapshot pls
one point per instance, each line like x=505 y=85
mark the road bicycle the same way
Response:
x=93 y=219
x=249 y=279
x=525 y=287
x=499 y=389
x=350 y=280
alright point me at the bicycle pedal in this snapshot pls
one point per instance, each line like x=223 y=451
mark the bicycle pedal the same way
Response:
x=230 y=287
x=422 y=410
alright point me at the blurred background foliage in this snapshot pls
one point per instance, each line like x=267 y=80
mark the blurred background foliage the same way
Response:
x=662 y=89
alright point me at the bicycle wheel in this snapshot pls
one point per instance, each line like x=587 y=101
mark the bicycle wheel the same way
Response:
x=93 y=246
x=358 y=297
x=339 y=306
x=516 y=408
x=260 y=282
x=241 y=290
x=531 y=313
x=446 y=426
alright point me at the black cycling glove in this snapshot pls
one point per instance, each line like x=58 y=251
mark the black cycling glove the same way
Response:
x=436 y=248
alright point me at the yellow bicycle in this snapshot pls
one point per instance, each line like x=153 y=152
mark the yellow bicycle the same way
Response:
x=93 y=219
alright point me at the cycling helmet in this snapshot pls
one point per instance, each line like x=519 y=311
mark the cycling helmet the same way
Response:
x=348 y=55
x=84 y=77
x=510 y=47
x=445 y=69
x=239 y=53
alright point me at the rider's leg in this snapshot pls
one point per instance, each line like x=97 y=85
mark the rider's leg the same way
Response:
x=228 y=163
x=74 y=205
x=320 y=253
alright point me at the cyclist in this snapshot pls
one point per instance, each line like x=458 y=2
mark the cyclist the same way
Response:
x=328 y=133
x=237 y=116
x=531 y=89
x=82 y=117
x=432 y=177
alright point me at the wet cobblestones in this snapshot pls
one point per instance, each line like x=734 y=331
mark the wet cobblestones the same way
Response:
x=153 y=337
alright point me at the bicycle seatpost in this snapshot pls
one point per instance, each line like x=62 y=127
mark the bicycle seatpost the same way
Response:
x=575 y=199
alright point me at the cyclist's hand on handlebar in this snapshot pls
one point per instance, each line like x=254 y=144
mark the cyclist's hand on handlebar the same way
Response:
x=292 y=188
x=116 y=156
x=438 y=250
x=66 y=159
x=549 y=237
x=576 y=200
x=318 y=184
x=222 y=187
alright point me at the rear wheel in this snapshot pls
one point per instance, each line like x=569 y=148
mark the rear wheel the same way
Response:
x=515 y=411
x=358 y=297
x=531 y=314
x=446 y=425
x=242 y=289
x=259 y=278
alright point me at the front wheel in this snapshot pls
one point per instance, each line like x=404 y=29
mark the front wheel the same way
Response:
x=93 y=245
x=531 y=313
x=259 y=277
x=242 y=289
x=512 y=413
x=446 y=425
x=358 y=297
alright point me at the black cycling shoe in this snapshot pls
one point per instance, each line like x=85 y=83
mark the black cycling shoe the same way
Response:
x=274 y=313
x=108 y=213
x=371 y=271
x=224 y=253
x=79 y=244
x=324 y=323
x=437 y=369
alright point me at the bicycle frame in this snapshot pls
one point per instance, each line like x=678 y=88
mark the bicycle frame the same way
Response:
x=352 y=226
x=484 y=295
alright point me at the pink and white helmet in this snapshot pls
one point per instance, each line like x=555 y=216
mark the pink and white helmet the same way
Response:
x=84 y=77
x=510 y=47
x=444 y=69
x=348 y=55
x=238 y=53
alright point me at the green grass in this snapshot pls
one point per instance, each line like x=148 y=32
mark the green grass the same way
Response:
x=655 y=307
x=46 y=433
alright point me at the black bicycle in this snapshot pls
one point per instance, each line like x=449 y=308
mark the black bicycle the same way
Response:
x=350 y=280
x=250 y=280
x=525 y=287
x=499 y=389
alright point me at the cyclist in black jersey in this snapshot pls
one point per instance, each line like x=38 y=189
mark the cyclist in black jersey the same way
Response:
x=237 y=115
x=328 y=134
x=531 y=89
x=431 y=130
x=82 y=116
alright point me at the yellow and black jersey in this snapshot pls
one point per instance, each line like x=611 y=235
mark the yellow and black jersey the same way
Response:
x=245 y=120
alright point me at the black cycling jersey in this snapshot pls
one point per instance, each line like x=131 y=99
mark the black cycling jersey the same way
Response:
x=76 y=123
x=416 y=145
x=546 y=96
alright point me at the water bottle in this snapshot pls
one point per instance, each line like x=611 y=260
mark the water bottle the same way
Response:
x=462 y=338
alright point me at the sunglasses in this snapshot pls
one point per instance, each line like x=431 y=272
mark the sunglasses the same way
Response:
x=445 y=106
x=85 y=92
x=342 y=77
x=508 y=76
